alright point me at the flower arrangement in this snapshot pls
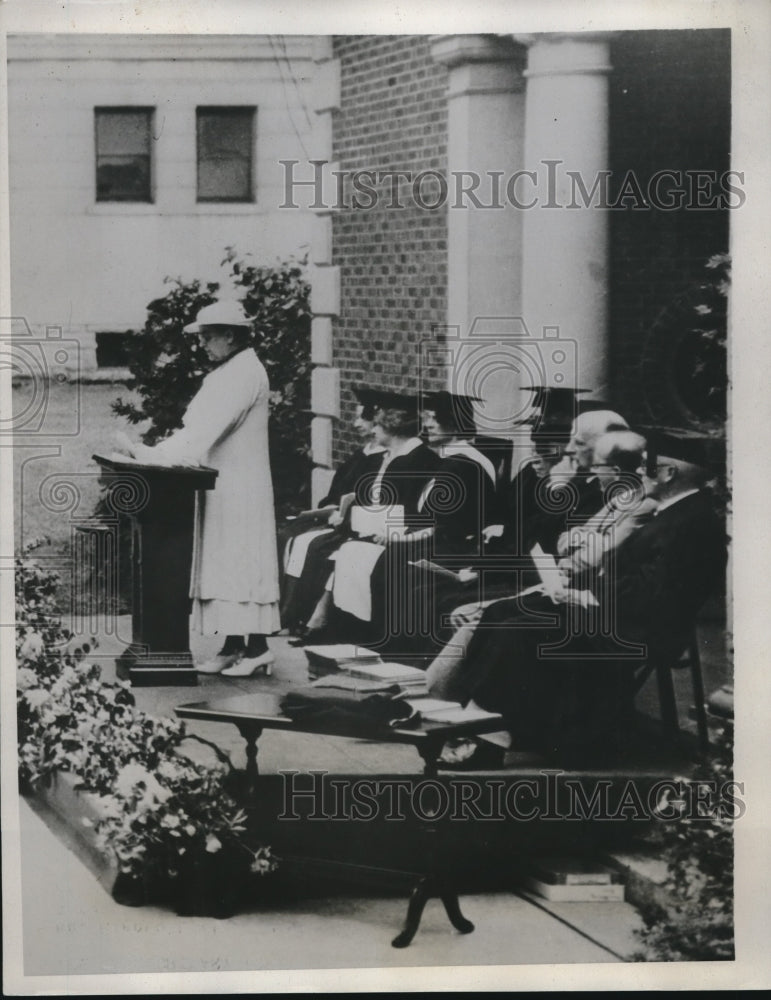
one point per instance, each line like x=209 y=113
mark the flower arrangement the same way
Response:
x=164 y=816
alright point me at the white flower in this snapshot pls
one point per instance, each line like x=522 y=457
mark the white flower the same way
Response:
x=155 y=794
x=25 y=678
x=129 y=777
x=166 y=769
x=32 y=646
x=37 y=697
x=261 y=866
x=69 y=674
x=213 y=844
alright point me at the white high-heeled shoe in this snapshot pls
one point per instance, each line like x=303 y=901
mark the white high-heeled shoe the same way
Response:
x=249 y=664
x=219 y=663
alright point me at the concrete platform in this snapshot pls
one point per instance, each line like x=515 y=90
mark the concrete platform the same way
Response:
x=72 y=927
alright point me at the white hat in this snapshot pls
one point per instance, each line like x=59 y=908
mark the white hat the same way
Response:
x=228 y=312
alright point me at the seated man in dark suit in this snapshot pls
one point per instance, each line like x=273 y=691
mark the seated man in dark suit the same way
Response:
x=584 y=547
x=573 y=492
x=556 y=490
x=565 y=685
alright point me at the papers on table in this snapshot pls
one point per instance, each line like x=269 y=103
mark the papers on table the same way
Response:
x=438 y=710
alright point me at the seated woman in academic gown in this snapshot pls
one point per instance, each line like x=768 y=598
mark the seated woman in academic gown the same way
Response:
x=306 y=567
x=398 y=487
x=459 y=503
x=501 y=565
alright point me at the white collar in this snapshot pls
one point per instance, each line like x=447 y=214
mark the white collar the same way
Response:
x=370 y=448
x=464 y=448
x=673 y=500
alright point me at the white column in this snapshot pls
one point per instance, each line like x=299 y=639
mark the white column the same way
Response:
x=325 y=277
x=486 y=109
x=565 y=249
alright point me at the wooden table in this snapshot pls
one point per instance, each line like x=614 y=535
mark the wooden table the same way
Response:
x=253 y=713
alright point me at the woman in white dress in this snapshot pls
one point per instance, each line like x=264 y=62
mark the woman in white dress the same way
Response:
x=234 y=582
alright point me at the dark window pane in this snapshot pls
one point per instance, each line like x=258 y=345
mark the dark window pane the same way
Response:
x=225 y=144
x=123 y=178
x=123 y=154
x=111 y=350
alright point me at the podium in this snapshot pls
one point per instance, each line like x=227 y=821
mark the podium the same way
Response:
x=159 y=502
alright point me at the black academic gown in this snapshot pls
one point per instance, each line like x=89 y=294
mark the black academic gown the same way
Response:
x=564 y=683
x=405 y=478
x=403 y=483
x=529 y=515
x=544 y=509
x=300 y=595
x=461 y=500
x=352 y=475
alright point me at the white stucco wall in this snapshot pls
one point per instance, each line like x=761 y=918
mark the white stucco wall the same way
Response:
x=86 y=266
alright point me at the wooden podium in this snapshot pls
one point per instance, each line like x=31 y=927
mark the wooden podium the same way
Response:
x=160 y=503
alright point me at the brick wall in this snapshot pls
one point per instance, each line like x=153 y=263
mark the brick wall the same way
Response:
x=393 y=262
x=670 y=108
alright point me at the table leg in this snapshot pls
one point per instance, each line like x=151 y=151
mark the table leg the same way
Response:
x=418 y=900
x=429 y=750
x=452 y=906
x=251 y=734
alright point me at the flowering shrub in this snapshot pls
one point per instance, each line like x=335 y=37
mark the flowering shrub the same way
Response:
x=697 y=924
x=162 y=812
x=698 y=332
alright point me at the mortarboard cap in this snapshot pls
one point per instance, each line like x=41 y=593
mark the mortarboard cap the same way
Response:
x=696 y=447
x=453 y=410
x=382 y=399
x=556 y=405
x=367 y=398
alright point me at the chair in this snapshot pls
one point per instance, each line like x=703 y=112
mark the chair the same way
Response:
x=663 y=667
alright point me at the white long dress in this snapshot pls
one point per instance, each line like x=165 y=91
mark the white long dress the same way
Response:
x=234 y=579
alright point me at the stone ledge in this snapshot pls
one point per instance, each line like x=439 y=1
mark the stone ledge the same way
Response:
x=63 y=808
x=644 y=877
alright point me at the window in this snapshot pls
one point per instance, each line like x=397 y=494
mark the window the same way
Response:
x=123 y=154
x=112 y=349
x=225 y=153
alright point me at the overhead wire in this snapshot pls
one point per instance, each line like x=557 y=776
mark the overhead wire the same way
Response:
x=287 y=100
